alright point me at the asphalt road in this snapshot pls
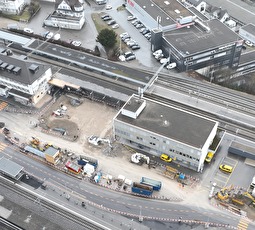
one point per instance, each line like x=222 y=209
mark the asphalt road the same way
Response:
x=116 y=200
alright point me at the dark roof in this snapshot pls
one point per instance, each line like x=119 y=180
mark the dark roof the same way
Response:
x=250 y=28
x=27 y=73
x=194 y=39
x=167 y=12
x=10 y=168
x=172 y=123
x=71 y=3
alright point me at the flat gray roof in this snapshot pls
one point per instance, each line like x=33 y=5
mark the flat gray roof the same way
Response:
x=172 y=123
x=13 y=37
x=10 y=168
x=194 y=39
x=250 y=28
x=168 y=12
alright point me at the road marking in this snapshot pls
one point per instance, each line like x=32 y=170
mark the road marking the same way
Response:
x=243 y=224
x=2 y=146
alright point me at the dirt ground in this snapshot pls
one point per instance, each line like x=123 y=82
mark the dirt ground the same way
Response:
x=89 y=118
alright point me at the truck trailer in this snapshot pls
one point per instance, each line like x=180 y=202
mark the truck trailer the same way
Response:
x=156 y=185
x=141 y=189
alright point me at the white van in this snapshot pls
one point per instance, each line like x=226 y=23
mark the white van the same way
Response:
x=252 y=183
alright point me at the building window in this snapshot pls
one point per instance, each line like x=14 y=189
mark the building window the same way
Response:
x=139 y=138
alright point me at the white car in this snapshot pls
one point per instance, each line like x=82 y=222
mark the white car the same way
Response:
x=116 y=26
x=171 y=65
x=164 y=61
x=122 y=58
x=75 y=43
x=28 y=30
x=108 y=7
x=157 y=52
x=49 y=35
x=56 y=37
x=131 y=17
x=123 y=34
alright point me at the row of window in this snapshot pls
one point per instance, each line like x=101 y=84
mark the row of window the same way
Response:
x=14 y=86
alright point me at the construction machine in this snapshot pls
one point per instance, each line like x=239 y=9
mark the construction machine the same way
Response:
x=35 y=142
x=250 y=197
x=224 y=193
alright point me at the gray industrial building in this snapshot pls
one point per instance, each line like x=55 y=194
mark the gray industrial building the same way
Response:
x=157 y=128
x=209 y=44
x=185 y=35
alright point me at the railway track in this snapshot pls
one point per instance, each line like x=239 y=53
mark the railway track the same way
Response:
x=210 y=92
x=83 y=221
x=236 y=128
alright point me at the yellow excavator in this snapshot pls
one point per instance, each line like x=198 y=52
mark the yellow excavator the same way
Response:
x=223 y=194
x=248 y=195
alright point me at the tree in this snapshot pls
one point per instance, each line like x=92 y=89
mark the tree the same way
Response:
x=108 y=38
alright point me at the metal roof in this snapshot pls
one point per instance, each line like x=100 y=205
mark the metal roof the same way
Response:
x=10 y=168
x=13 y=37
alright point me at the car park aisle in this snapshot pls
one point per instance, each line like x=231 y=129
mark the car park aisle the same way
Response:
x=143 y=55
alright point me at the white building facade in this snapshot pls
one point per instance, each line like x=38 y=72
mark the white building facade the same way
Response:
x=68 y=15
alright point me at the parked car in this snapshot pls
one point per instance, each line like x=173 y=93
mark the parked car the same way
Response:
x=49 y=35
x=76 y=43
x=111 y=22
x=105 y=15
x=108 y=7
x=56 y=37
x=123 y=34
x=157 y=52
x=116 y=26
x=128 y=53
x=146 y=31
x=135 y=47
x=147 y=35
x=122 y=58
x=131 y=57
x=137 y=22
x=28 y=30
x=226 y=168
x=165 y=158
x=130 y=42
x=131 y=17
x=171 y=65
x=126 y=40
x=139 y=25
x=134 y=21
x=107 y=18
x=142 y=29
x=164 y=61
x=209 y=157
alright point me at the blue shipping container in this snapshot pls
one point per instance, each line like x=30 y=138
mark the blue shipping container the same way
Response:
x=154 y=183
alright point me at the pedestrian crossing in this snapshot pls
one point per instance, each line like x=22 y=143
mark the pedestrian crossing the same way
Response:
x=243 y=224
x=2 y=146
x=3 y=104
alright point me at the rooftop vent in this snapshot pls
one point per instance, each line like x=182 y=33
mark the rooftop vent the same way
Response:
x=10 y=67
x=33 y=68
x=3 y=66
x=16 y=70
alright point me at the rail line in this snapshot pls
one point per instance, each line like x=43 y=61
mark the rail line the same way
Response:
x=230 y=126
x=87 y=224
x=211 y=92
